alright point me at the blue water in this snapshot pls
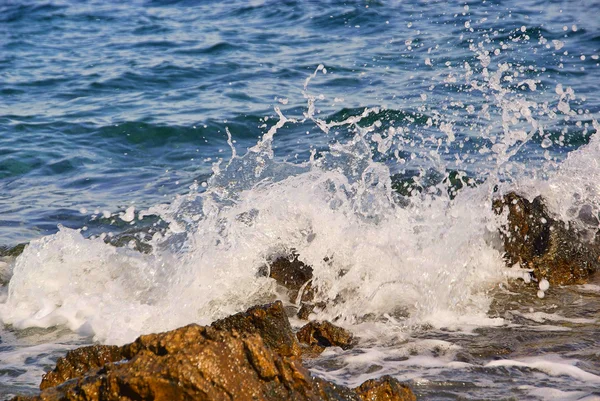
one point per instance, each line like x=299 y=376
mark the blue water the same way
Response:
x=108 y=105
x=105 y=104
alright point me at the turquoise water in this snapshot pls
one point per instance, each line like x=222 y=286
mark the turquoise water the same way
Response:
x=115 y=117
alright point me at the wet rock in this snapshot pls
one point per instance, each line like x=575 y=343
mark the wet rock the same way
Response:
x=385 y=388
x=226 y=361
x=319 y=335
x=194 y=363
x=307 y=308
x=270 y=322
x=534 y=240
x=80 y=361
x=294 y=275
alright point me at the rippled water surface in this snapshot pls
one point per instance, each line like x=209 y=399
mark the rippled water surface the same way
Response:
x=368 y=136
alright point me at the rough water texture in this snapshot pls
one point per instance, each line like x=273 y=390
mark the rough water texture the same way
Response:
x=369 y=138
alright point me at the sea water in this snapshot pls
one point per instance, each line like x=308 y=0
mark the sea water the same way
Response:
x=370 y=138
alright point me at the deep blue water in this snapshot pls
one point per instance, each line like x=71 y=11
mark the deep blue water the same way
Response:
x=103 y=104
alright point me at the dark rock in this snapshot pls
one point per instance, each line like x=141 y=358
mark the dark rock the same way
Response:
x=80 y=361
x=226 y=361
x=294 y=275
x=537 y=241
x=307 y=308
x=319 y=335
x=385 y=388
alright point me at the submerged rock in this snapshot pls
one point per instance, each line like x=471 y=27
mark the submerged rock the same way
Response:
x=307 y=308
x=535 y=240
x=319 y=335
x=293 y=274
x=248 y=356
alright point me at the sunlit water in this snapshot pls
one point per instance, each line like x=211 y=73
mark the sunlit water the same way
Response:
x=369 y=138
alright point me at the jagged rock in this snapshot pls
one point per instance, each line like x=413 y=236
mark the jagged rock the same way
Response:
x=219 y=362
x=294 y=275
x=319 y=335
x=194 y=363
x=537 y=241
x=270 y=322
x=385 y=388
x=80 y=361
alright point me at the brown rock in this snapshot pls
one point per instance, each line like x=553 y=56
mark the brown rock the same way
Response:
x=270 y=322
x=319 y=335
x=226 y=361
x=385 y=388
x=537 y=241
x=79 y=361
x=293 y=274
x=194 y=363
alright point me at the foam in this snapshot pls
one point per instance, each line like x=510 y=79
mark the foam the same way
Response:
x=549 y=394
x=542 y=317
x=429 y=260
x=551 y=365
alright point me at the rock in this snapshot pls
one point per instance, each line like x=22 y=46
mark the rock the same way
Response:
x=270 y=322
x=307 y=308
x=535 y=240
x=226 y=361
x=80 y=361
x=319 y=335
x=194 y=363
x=385 y=388
x=294 y=275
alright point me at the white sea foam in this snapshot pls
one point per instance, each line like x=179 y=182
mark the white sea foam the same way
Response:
x=429 y=261
x=551 y=365
x=542 y=317
x=550 y=394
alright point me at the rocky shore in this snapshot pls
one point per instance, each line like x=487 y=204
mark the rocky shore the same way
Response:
x=255 y=355
x=252 y=355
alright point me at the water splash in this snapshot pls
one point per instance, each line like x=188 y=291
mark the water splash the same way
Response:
x=429 y=257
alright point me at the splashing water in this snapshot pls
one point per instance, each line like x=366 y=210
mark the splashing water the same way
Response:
x=428 y=258
x=387 y=262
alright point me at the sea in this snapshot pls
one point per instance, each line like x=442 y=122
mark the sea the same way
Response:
x=155 y=156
